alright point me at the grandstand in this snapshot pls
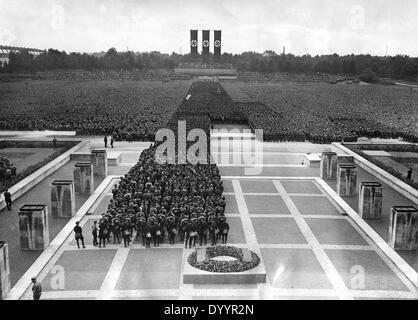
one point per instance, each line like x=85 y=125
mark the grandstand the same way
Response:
x=6 y=50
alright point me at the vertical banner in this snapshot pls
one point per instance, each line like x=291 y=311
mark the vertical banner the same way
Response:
x=193 y=42
x=217 y=44
x=205 y=44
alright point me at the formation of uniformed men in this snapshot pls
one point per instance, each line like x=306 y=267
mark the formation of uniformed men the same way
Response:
x=165 y=202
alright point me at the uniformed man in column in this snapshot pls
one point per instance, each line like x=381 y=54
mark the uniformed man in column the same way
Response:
x=36 y=289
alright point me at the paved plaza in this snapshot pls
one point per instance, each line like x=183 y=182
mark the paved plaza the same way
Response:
x=310 y=247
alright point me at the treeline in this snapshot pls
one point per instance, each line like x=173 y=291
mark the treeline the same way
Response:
x=402 y=67
x=111 y=60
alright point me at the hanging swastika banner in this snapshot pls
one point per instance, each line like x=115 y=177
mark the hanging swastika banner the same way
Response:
x=205 y=43
x=193 y=42
x=217 y=44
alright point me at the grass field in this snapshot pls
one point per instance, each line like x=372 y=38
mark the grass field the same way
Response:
x=28 y=158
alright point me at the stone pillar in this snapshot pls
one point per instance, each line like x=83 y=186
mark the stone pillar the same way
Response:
x=346 y=180
x=99 y=161
x=5 y=282
x=403 y=228
x=328 y=166
x=83 y=178
x=370 y=200
x=62 y=199
x=33 y=226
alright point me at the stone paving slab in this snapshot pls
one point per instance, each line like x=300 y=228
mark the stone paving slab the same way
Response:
x=277 y=231
x=294 y=269
x=273 y=171
x=301 y=186
x=308 y=205
x=151 y=269
x=227 y=186
x=231 y=204
x=335 y=231
x=236 y=231
x=266 y=158
x=377 y=274
x=266 y=204
x=257 y=186
x=82 y=270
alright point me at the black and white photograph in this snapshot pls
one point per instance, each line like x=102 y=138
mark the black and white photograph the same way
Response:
x=210 y=156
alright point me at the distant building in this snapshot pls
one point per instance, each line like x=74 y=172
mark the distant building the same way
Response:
x=4 y=59
x=269 y=53
x=5 y=53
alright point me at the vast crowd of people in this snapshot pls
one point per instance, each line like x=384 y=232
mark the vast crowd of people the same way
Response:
x=322 y=112
x=316 y=112
x=286 y=111
x=155 y=203
x=121 y=108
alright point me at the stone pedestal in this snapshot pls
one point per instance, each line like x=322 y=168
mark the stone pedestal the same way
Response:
x=403 y=228
x=99 y=161
x=5 y=282
x=346 y=180
x=370 y=200
x=83 y=178
x=62 y=199
x=33 y=226
x=328 y=166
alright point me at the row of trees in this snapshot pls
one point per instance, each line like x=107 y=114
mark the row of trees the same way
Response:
x=111 y=60
x=403 y=67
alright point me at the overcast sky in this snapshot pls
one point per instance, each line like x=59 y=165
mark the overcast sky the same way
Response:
x=303 y=26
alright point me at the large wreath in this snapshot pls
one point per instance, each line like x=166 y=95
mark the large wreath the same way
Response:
x=235 y=265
